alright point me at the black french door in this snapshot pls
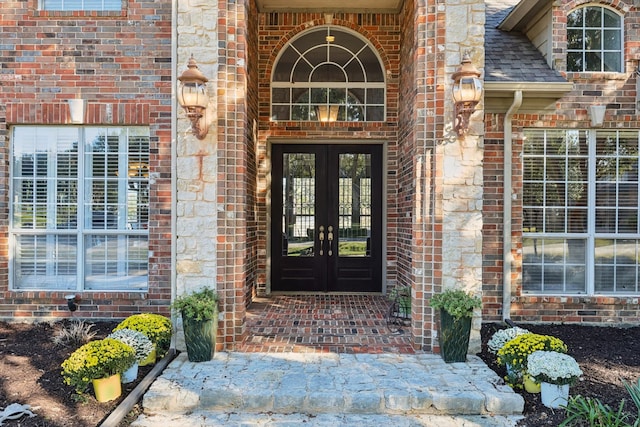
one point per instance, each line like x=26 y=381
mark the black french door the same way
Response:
x=326 y=218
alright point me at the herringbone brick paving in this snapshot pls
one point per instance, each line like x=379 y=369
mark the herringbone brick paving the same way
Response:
x=333 y=323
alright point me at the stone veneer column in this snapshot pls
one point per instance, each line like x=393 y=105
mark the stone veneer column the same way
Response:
x=461 y=177
x=197 y=160
x=213 y=189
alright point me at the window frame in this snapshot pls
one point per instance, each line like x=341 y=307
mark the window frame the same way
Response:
x=591 y=236
x=602 y=51
x=368 y=85
x=42 y=6
x=117 y=230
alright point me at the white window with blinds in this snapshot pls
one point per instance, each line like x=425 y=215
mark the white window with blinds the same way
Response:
x=79 y=210
x=580 y=212
x=68 y=5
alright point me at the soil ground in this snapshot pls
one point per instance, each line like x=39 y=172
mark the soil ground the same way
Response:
x=606 y=355
x=30 y=372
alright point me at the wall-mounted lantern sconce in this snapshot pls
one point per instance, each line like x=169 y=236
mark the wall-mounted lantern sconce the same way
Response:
x=467 y=92
x=596 y=113
x=327 y=113
x=192 y=96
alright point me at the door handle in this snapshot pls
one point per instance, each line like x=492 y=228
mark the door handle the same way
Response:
x=330 y=239
x=321 y=238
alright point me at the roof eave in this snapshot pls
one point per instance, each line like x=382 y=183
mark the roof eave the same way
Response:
x=521 y=13
x=536 y=96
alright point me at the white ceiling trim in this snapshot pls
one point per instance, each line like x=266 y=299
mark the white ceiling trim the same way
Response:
x=335 y=6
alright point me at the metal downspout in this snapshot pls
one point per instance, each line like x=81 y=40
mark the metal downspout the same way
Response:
x=507 y=258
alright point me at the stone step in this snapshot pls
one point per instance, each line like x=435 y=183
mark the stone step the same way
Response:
x=330 y=383
x=222 y=419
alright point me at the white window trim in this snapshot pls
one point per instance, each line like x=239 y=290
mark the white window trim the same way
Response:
x=329 y=85
x=42 y=6
x=591 y=235
x=81 y=232
x=622 y=44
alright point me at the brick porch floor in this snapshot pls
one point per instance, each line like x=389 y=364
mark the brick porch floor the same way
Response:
x=323 y=323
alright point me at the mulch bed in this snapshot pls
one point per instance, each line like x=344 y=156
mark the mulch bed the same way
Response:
x=30 y=372
x=606 y=355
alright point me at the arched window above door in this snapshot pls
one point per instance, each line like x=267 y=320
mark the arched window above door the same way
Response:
x=328 y=74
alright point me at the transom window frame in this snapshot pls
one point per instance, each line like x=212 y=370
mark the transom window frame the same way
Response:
x=328 y=100
x=80 y=5
x=596 y=247
x=603 y=52
x=84 y=241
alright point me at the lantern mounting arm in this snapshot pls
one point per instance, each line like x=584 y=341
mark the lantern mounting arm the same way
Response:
x=195 y=116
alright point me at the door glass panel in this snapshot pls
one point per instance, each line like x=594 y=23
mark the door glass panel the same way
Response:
x=354 y=209
x=298 y=204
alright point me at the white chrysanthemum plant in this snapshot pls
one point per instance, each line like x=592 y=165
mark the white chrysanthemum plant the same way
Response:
x=136 y=340
x=503 y=336
x=553 y=367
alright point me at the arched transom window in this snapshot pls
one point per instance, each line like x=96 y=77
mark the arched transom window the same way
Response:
x=328 y=74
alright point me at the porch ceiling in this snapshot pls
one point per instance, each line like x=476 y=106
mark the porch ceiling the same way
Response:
x=380 y=6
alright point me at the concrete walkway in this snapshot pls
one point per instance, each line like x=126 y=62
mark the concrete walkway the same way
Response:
x=329 y=389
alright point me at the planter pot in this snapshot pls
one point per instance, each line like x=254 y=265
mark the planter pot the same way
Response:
x=514 y=375
x=107 y=389
x=130 y=374
x=404 y=303
x=554 y=396
x=530 y=385
x=200 y=338
x=454 y=337
x=151 y=358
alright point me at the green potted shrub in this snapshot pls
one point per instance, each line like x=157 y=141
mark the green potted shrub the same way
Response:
x=155 y=326
x=199 y=311
x=96 y=361
x=142 y=346
x=456 y=310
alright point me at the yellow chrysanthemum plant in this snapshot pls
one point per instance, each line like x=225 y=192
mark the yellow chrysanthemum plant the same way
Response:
x=95 y=360
x=514 y=353
x=156 y=327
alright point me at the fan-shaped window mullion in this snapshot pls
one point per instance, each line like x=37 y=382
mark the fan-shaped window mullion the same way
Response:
x=332 y=77
x=333 y=61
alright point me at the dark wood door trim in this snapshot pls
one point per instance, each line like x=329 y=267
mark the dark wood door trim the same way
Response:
x=321 y=271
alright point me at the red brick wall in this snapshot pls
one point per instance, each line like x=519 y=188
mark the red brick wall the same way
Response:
x=421 y=162
x=237 y=105
x=404 y=174
x=121 y=59
x=618 y=93
x=253 y=242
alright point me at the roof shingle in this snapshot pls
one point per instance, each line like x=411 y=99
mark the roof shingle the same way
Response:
x=510 y=56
